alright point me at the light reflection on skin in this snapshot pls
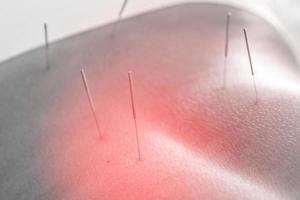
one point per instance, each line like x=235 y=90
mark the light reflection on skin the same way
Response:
x=272 y=70
x=226 y=182
x=271 y=74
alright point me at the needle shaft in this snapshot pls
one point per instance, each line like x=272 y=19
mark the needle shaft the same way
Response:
x=226 y=47
x=91 y=101
x=134 y=114
x=251 y=64
x=46 y=46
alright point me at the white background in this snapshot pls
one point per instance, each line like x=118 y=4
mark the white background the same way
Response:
x=21 y=21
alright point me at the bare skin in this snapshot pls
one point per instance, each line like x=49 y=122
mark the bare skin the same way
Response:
x=198 y=140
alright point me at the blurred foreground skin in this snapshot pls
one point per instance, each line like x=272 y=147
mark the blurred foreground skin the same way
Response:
x=198 y=141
